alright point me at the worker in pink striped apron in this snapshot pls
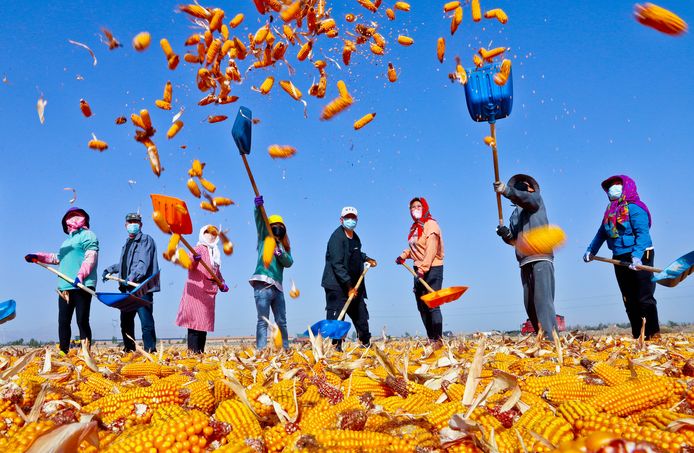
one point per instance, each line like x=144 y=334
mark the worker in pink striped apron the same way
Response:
x=196 y=310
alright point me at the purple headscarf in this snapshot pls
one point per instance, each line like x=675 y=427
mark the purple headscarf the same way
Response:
x=618 y=210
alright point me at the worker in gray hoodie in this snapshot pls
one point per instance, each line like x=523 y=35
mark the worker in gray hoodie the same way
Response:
x=537 y=271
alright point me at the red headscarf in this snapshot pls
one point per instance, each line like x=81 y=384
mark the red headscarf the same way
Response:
x=418 y=224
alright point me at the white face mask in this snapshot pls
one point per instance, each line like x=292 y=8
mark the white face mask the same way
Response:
x=417 y=213
x=614 y=192
x=210 y=239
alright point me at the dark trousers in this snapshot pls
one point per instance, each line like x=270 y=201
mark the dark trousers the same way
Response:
x=637 y=293
x=80 y=302
x=127 y=326
x=431 y=317
x=335 y=299
x=196 y=340
x=538 y=295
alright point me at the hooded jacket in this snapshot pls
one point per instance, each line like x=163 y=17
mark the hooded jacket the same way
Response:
x=529 y=213
x=630 y=233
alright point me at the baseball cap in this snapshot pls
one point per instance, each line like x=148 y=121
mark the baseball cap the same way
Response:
x=133 y=217
x=349 y=210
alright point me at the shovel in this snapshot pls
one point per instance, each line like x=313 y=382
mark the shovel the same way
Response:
x=487 y=101
x=120 y=280
x=7 y=311
x=671 y=276
x=242 y=132
x=177 y=216
x=437 y=298
x=122 y=301
x=337 y=328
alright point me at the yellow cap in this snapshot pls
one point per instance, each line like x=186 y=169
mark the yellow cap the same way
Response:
x=275 y=219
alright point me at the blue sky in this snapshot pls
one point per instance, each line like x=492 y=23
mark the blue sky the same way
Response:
x=596 y=94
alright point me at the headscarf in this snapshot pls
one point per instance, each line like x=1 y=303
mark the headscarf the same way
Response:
x=418 y=224
x=78 y=211
x=617 y=211
x=212 y=247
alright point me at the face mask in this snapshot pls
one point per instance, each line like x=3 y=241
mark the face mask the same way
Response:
x=209 y=238
x=614 y=192
x=278 y=231
x=350 y=224
x=75 y=223
x=416 y=213
x=133 y=228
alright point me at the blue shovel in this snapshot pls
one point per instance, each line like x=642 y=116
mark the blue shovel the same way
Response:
x=671 y=276
x=487 y=101
x=337 y=328
x=7 y=310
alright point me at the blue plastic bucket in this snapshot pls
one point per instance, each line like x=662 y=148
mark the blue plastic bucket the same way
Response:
x=487 y=101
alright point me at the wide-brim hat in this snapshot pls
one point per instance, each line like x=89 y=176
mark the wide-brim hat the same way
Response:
x=522 y=177
x=70 y=211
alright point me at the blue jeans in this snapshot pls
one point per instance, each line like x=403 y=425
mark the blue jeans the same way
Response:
x=127 y=326
x=266 y=298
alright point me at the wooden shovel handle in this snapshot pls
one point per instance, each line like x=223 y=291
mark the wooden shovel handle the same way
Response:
x=421 y=280
x=113 y=277
x=495 y=155
x=655 y=270
x=349 y=299
x=257 y=193
x=66 y=278
x=204 y=264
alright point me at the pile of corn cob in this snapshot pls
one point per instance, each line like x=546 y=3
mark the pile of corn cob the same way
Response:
x=472 y=394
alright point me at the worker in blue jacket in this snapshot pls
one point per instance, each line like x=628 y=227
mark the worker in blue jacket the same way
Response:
x=138 y=262
x=626 y=227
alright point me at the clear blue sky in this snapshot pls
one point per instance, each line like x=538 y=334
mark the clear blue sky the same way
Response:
x=595 y=94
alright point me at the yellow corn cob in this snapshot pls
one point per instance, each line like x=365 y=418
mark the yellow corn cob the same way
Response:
x=345 y=440
x=633 y=396
x=283 y=393
x=484 y=418
x=22 y=439
x=572 y=391
x=145 y=369
x=222 y=391
x=360 y=384
x=413 y=404
x=310 y=397
x=627 y=430
x=552 y=428
x=160 y=393
x=244 y=424
x=575 y=410
x=253 y=393
x=101 y=385
x=201 y=396
x=442 y=413
x=540 y=384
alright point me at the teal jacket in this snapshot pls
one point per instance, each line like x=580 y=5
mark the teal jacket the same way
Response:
x=271 y=275
x=71 y=255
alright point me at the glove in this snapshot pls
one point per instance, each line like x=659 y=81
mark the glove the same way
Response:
x=76 y=282
x=399 y=260
x=420 y=273
x=258 y=201
x=635 y=262
x=196 y=257
x=224 y=288
x=103 y=276
x=278 y=252
x=372 y=262
x=588 y=257
x=31 y=258
x=504 y=232
x=352 y=293
x=500 y=187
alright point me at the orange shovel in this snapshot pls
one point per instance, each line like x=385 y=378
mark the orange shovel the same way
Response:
x=437 y=298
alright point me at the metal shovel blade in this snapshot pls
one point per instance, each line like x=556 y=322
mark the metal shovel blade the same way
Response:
x=442 y=296
x=241 y=131
x=330 y=328
x=7 y=310
x=677 y=271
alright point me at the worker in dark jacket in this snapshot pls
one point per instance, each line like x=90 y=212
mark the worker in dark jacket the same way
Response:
x=537 y=271
x=138 y=261
x=344 y=263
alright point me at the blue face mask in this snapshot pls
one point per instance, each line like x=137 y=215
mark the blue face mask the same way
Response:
x=133 y=228
x=614 y=192
x=350 y=224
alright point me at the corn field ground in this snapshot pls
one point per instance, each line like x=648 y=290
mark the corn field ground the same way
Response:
x=476 y=393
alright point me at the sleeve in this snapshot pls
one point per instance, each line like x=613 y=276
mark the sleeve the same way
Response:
x=285 y=259
x=336 y=252
x=88 y=264
x=90 y=242
x=529 y=201
x=113 y=269
x=142 y=260
x=406 y=254
x=597 y=241
x=219 y=275
x=639 y=223
x=48 y=258
x=260 y=225
x=432 y=246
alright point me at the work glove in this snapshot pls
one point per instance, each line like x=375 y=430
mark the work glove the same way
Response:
x=258 y=201
x=420 y=273
x=31 y=258
x=500 y=187
x=352 y=293
x=77 y=282
x=278 y=252
x=504 y=232
x=196 y=257
x=224 y=288
x=588 y=257
x=372 y=262
x=399 y=260
x=634 y=263
x=104 y=275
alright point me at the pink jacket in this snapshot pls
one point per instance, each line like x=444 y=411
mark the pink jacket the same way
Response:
x=196 y=310
x=427 y=251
